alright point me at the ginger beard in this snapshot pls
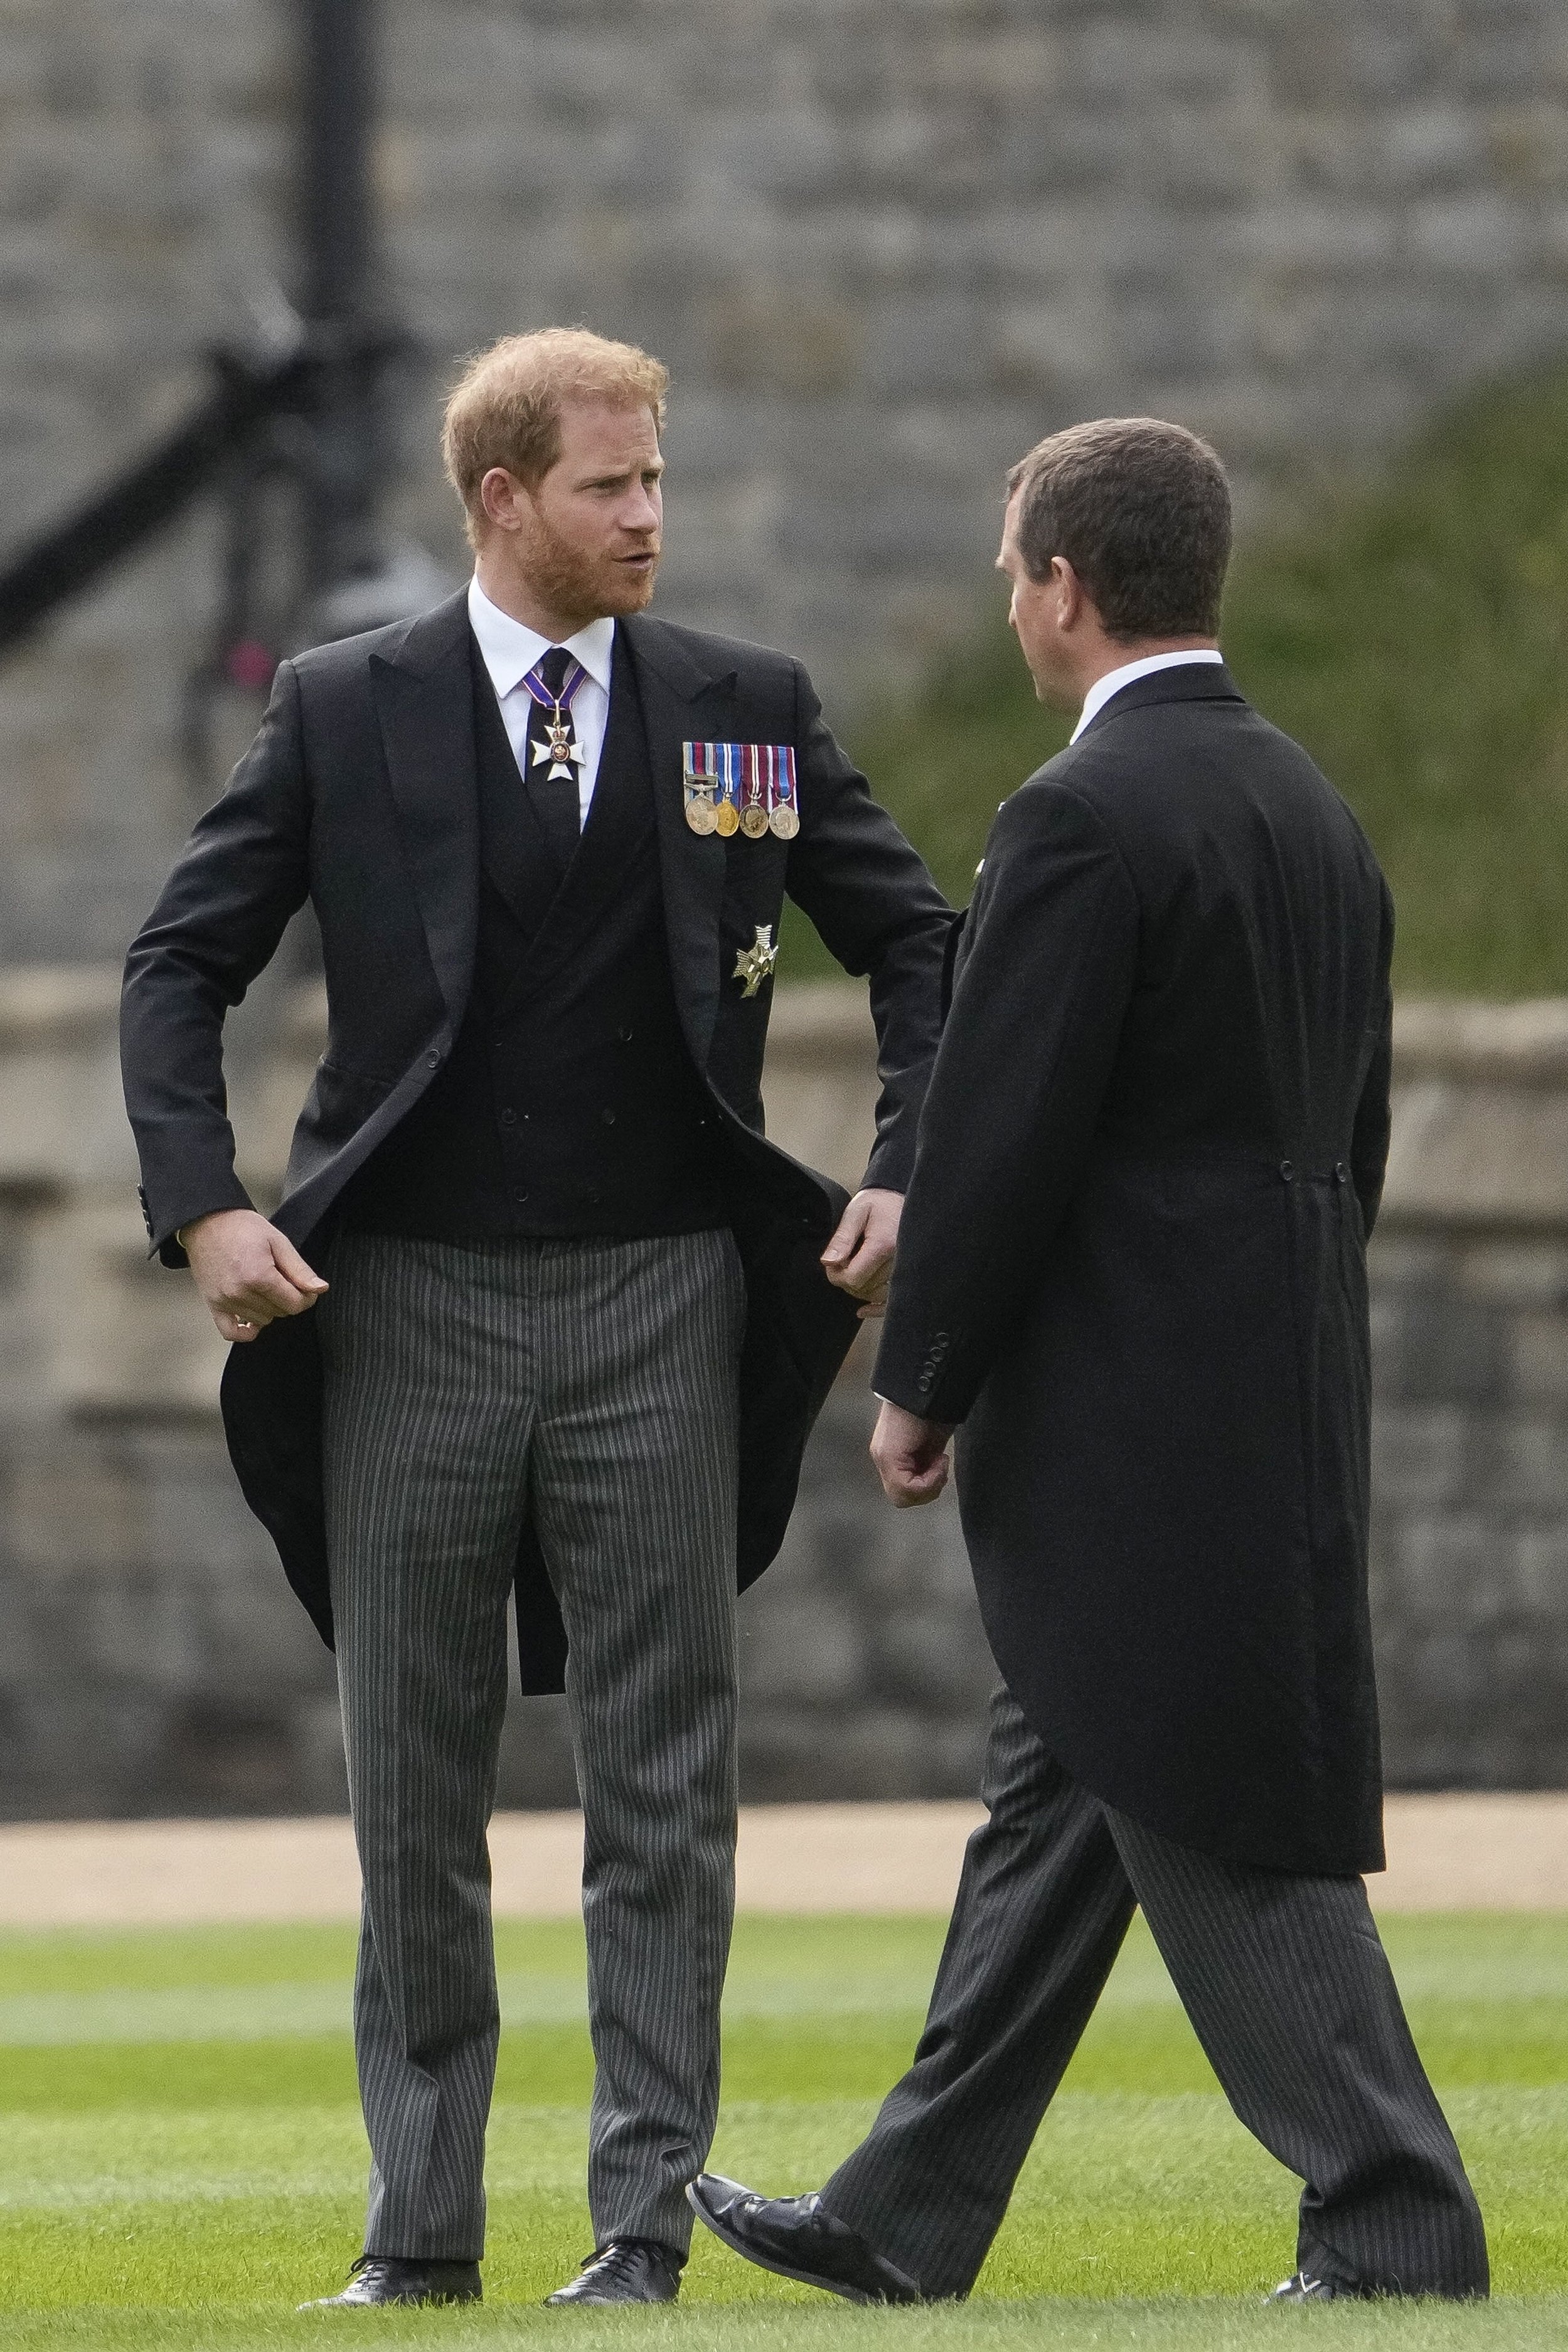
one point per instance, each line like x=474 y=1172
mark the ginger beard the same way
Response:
x=597 y=583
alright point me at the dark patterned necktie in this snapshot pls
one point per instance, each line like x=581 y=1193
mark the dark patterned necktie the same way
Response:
x=553 y=794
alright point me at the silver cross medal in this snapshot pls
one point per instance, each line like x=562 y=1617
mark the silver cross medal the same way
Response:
x=562 y=748
x=755 y=964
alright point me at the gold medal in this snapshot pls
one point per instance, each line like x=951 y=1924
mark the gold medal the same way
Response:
x=701 y=813
x=754 y=820
x=727 y=819
x=784 y=821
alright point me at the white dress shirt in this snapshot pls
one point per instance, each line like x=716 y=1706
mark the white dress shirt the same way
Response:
x=511 y=651
x=1099 y=693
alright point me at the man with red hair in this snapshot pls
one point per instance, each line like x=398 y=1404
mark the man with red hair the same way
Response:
x=580 y=1315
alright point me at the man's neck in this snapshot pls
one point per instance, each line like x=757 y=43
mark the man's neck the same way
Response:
x=1108 y=656
x=520 y=602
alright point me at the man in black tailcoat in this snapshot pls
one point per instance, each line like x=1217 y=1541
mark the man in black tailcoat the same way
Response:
x=1133 y=1268
x=541 y=1308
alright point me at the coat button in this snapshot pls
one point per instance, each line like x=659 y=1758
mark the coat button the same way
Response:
x=608 y=1118
x=432 y=1060
x=624 y=1036
x=1340 y=1172
x=1288 y=1170
x=520 y=1197
x=509 y=1118
x=924 y=1382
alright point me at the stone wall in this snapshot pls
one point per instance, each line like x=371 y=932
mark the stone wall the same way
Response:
x=155 y=1662
x=884 y=244
x=1471 y=1427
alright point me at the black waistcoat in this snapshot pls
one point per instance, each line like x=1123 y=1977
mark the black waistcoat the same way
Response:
x=570 y=1105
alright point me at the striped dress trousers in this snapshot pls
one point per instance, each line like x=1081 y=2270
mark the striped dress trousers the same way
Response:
x=1287 y=1985
x=594 y=1383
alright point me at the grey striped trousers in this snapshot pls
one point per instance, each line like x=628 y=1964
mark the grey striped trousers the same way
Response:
x=596 y=1383
x=1288 y=1988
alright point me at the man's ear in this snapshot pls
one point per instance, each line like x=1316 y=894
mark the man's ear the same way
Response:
x=1068 y=592
x=499 y=493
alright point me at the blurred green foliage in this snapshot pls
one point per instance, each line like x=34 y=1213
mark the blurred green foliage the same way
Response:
x=1413 y=633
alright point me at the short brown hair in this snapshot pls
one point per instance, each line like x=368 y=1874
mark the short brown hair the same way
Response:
x=504 y=408
x=1141 y=509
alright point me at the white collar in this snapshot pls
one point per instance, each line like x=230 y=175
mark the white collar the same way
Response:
x=511 y=649
x=1099 y=693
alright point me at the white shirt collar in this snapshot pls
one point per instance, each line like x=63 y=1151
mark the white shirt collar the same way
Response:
x=1099 y=693
x=511 y=649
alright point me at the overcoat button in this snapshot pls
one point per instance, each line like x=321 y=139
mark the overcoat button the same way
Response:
x=432 y=1060
x=1288 y=1170
x=1340 y=1172
x=509 y=1118
x=624 y=1036
x=607 y=1116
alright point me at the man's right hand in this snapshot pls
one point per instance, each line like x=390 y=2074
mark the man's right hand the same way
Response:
x=911 y=1456
x=247 y=1270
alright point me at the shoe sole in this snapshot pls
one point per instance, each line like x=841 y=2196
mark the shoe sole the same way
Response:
x=845 y=2292
x=608 y=2302
x=389 y=2303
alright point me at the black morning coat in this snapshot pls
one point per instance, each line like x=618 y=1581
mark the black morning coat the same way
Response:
x=359 y=793
x=1132 y=1265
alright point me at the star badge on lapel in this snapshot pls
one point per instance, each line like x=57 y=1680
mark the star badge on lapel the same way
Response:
x=755 y=964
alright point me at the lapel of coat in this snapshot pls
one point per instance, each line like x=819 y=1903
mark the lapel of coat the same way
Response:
x=424 y=696
x=684 y=702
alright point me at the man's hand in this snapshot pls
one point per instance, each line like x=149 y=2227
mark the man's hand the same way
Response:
x=247 y=1270
x=859 y=1258
x=911 y=1456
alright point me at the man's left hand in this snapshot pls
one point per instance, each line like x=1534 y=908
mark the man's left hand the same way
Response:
x=859 y=1258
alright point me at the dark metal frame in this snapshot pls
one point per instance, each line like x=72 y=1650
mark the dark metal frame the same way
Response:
x=303 y=406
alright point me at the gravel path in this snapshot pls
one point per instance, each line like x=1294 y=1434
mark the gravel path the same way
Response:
x=1446 y=1854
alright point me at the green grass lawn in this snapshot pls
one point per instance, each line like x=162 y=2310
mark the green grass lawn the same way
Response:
x=1412 y=630
x=182 y=2159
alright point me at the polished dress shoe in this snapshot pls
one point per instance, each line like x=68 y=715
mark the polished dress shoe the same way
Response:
x=1307 y=2287
x=628 y=2269
x=798 y=2238
x=387 y=2278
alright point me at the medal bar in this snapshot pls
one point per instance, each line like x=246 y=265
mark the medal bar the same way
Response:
x=749 y=788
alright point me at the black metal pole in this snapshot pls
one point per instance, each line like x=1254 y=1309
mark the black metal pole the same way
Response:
x=337 y=106
x=337 y=283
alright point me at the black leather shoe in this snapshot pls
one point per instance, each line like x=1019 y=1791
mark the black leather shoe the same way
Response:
x=628 y=2269
x=386 y=2278
x=798 y=2238
x=1307 y=2287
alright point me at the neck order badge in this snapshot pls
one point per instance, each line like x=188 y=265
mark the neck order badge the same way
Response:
x=555 y=699
x=749 y=788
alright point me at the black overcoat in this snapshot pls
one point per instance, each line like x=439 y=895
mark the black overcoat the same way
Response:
x=1132 y=1265
x=361 y=795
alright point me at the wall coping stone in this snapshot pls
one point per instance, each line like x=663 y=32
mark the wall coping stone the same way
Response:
x=52 y=1004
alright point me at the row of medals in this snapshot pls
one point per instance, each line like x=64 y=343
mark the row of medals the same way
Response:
x=705 y=812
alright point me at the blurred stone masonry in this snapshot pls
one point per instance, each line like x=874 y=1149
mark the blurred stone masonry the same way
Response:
x=154 y=1661
x=883 y=244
